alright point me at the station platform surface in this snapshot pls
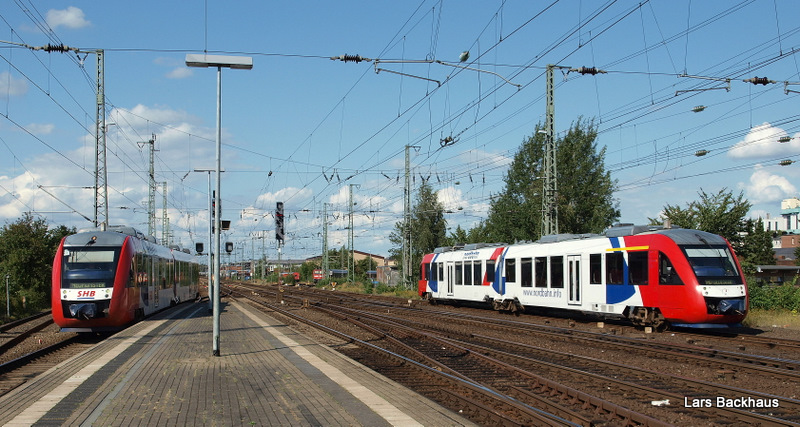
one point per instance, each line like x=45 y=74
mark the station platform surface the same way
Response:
x=161 y=372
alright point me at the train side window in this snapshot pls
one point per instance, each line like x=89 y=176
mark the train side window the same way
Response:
x=426 y=271
x=540 y=272
x=468 y=273
x=526 y=271
x=477 y=274
x=440 y=267
x=556 y=271
x=490 y=271
x=595 y=269
x=433 y=271
x=637 y=268
x=511 y=270
x=614 y=268
x=459 y=268
x=666 y=272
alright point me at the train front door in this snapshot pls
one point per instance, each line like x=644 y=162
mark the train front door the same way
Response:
x=574 y=262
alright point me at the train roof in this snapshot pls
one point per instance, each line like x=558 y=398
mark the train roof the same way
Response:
x=113 y=236
x=681 y=236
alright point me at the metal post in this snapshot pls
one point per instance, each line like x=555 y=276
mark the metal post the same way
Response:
x=8 y=299
x=217 y=213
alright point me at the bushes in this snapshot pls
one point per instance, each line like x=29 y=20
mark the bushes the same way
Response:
x=771 y=297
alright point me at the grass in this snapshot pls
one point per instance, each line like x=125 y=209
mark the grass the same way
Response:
x=760 y=318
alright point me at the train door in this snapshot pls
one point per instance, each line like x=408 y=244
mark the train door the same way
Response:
x=451 y=275
x=574 y=262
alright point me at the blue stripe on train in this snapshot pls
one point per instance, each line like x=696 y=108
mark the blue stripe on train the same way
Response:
x=617 y=293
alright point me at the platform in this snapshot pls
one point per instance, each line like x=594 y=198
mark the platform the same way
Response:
x=161 y=372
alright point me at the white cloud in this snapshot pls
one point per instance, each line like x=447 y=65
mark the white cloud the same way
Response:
x=179 y=73
x=12 y=86
x=41 y=128
x=765 y=187
x=762 y=141
x=71 y=17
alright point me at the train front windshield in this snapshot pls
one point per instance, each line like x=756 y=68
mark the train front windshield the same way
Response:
x=86 y=268
x=713 y=265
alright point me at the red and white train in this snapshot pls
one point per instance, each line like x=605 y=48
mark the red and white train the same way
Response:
x=653 y=276
x=105 y=280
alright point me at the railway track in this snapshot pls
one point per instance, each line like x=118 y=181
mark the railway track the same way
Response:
x=533 y=372
x=22 y=369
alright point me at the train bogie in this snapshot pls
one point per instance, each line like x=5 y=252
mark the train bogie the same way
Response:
x=650 y=276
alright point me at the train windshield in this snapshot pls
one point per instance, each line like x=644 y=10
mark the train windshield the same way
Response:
x=713 y=265
x=88 y=268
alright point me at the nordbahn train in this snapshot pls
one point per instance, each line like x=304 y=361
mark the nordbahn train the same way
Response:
x=651 y=275
x=105 y=280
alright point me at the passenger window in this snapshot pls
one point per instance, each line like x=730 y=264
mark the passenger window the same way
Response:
x=540 y=271
x=433 y=272
x=440 y=266
x=557 y=272
x=637 y=268
x=458 y=273
x=477 y=274
x=511 y=270
x=666 y=272
x=426 y=271
x=490 y=271
x=614 y=268
x=595 y=269
x=468 y=273
x=526 y=271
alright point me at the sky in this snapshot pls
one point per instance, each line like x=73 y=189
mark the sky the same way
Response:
x=306 y=130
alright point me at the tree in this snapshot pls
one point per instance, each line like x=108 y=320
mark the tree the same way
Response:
x=721 y=213
x=585 y=189
x=428 y=228
x=27 y=248
x=757 y=246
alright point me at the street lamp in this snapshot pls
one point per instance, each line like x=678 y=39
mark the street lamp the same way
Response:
x=219 y=61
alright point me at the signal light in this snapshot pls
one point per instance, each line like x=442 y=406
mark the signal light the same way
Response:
x=228 y=247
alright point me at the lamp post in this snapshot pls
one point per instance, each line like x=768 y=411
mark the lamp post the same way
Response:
x=218 y=61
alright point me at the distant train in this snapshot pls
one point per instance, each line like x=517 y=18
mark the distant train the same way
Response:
x=652 y=276
x=105 y=280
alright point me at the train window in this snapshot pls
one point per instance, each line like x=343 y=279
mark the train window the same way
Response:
x=458 y=277
x=713 y=265
x=426 y=271
x=511 y=270
x=614 y=268
x=556 y=271
x=637 y=268
x=526 y=271
x=477 y=274
x=440 y=268
x=432 y=272
x=666 y=272
x=468 y=273
x=595 y=269
x=490 y=271
x=540 y=271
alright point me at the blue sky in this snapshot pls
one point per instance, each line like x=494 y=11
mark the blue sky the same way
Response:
x=301 y=128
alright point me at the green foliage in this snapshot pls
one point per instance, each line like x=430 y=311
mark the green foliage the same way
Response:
x=721 y=213
x=585 y=189
x=756 y=248
x=770 y=297
x=27 y=248
x=307 y=271
x=428 y=228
